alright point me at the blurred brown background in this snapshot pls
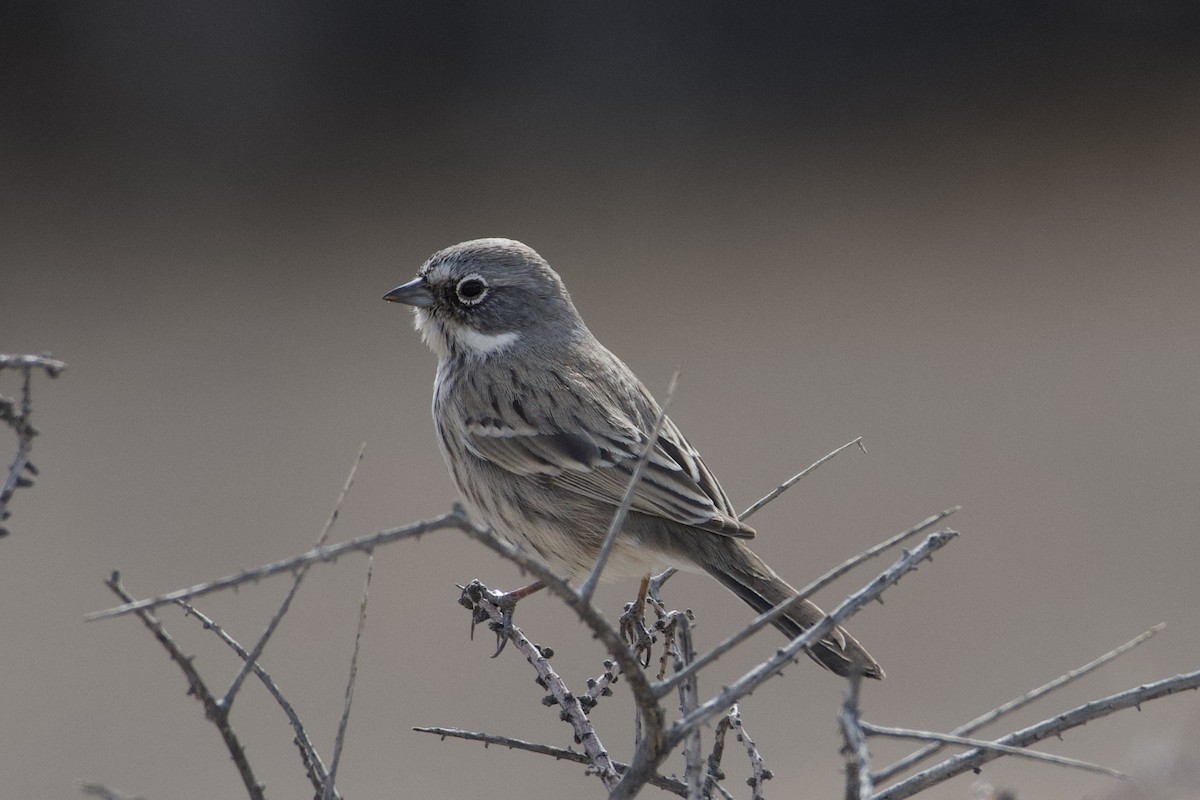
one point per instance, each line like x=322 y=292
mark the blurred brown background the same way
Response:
x=969 y=234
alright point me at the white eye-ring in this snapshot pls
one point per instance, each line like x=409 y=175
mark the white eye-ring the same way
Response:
x=472 y=289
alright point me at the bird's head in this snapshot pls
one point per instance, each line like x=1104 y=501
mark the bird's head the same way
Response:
x=480 y=297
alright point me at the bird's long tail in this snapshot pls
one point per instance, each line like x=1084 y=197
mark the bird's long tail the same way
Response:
x=747 y=576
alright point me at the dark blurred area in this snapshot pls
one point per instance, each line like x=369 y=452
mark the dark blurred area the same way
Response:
x=276 y=100
x=970 y=233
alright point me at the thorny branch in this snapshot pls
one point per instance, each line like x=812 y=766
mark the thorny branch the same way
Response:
x=1019 y=752
x=658 y=740
x=759 y=774
x=363 y=544
x=767 y=617
x=859 y=785
x=218 y=710
x=196 y=687
x=297 y=579
x=1054 y=726
x=792 y=481
x=330 y=791
x=17 y=416
x=1012 y=705
x=313 y=766
x=671 y=785
x=713 y=771
x=571 y=710
x=105 y=793
x=763 y=672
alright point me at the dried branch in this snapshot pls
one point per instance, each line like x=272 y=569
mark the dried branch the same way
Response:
x=714 y=773
x=261 y=644
x=21 y=472
x=677 y=632
x=609 y=637
x=560 y=753
x=1033 y=755
x=572 y=710
x=456 y=519
x=313 y=766
x=198 y=689
x=1019 y=702
x=763 y=672
x=105 y=793
x=859 y=785
x=1054 y=726
x=759 y=774
x=52 y=366
x=602 y=686
x=792 y=481
x=339 y=741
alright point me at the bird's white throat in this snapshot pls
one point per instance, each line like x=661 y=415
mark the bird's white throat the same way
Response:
x=484 y=343
x=442 y=339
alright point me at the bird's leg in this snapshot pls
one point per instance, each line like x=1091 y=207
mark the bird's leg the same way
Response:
x=639 y=605
x=475 y=591
x=633 y=624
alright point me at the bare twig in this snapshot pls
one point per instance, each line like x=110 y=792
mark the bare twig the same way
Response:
x=572 y=709
x=565 y=754
x=1013 y=705
x=609 y=637
x=1019 y=752
x=308 y=752
x=261 y=644
x=652 y=749
x=364 y=544
x=21 y=472
x=654 y=587
x=763 y=672
x=602 y=686
x=714 y=773
x=198 y=689
x=105 y=793
x=721 y=790
x=1053 y=726
x=859 y=785
x=52 y=366
x=339 y=741
x=588 y=588
x=759 y=774
x=678 y=631
x=767 y=617
x=790 y=482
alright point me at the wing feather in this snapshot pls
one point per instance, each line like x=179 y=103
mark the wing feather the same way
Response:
x=675 y=483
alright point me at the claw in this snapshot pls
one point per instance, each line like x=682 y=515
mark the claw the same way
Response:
x=472 y=593
x=633 y=626
x=505 y=601
x=505 y=628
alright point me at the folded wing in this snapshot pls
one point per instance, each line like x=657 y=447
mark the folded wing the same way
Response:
x=598 y=462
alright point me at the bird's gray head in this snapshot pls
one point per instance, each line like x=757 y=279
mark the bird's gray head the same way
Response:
x=480 y=297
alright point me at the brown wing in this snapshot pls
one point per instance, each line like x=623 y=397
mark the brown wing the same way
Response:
x=599 y=463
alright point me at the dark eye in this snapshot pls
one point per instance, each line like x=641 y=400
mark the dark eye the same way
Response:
x=471 y=290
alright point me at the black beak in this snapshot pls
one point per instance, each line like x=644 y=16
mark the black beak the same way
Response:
x=413 y=293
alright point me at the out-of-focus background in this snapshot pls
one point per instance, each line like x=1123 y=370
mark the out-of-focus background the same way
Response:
x=969 y=234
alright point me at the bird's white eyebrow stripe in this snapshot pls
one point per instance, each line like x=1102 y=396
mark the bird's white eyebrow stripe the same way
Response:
x=484 y=343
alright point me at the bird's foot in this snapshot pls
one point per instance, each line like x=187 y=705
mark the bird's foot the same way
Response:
x=473 y=595
x=633 y=626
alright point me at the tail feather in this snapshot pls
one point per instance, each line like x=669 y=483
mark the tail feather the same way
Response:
x=748 y=577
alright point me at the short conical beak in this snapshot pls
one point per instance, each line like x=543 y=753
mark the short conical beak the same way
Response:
x=413 y=293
